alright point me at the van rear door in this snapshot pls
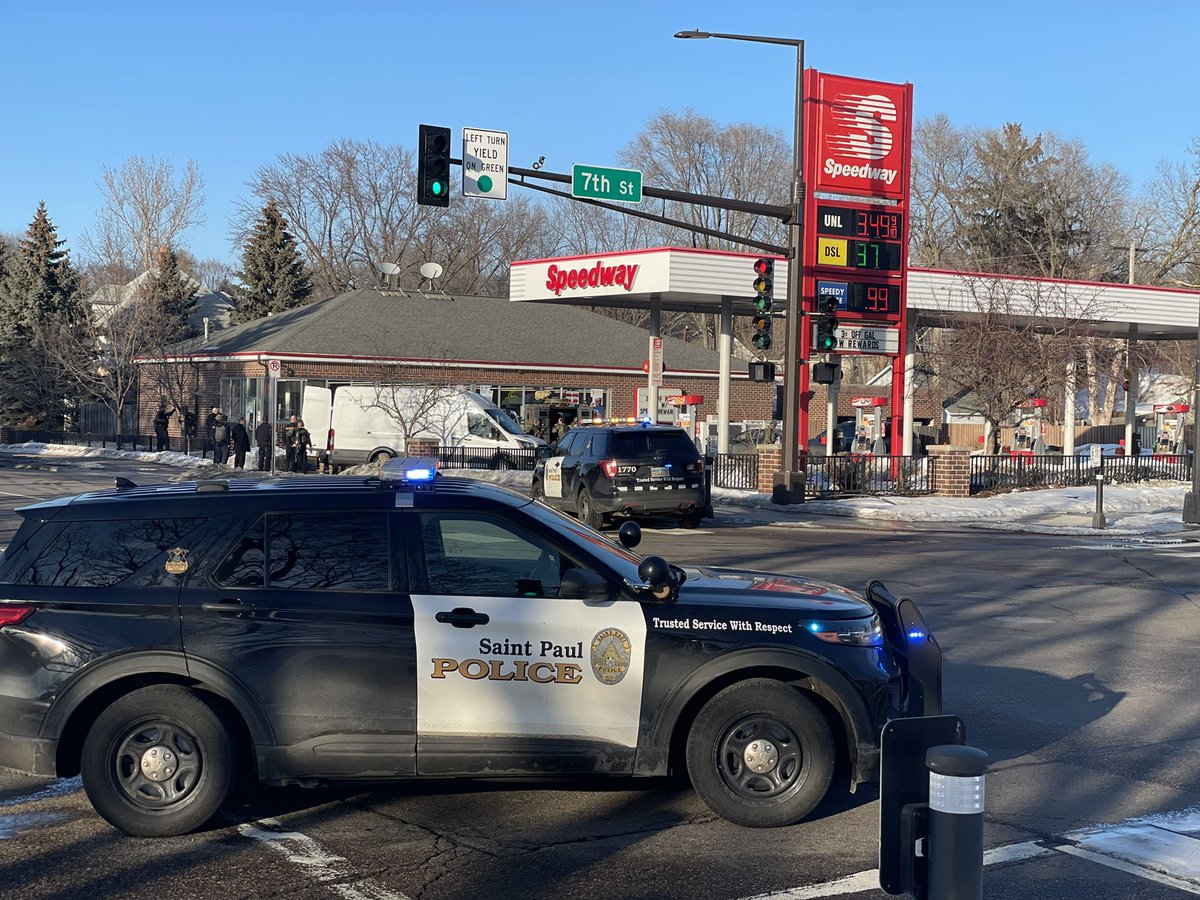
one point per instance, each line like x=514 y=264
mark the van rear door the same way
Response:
x=315 y=409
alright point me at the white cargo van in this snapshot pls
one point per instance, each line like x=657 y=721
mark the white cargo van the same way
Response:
x=366 y=423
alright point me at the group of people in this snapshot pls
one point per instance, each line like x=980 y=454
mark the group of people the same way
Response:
x=224 y=438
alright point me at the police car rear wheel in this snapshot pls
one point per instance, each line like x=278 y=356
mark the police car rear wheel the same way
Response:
x=760 y=754
x=158 y=762
x=588 y=514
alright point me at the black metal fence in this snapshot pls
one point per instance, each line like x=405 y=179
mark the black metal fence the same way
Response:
x=849 y=475
x=1007 y=473
x=734 y=470
x=523 y=459
x=79 y=438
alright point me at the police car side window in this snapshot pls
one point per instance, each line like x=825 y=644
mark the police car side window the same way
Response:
x=311 y=551
x=486 y=556
x=103 y=553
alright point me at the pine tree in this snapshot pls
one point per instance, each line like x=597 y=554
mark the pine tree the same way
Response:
x=273 y=276
x=175 y=297
x=39 y=285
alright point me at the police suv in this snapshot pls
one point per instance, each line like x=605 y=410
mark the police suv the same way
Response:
x=164 y=640
x=598 y=471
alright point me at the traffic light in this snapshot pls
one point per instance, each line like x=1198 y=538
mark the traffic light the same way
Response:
x=764 y=302
x=827 y=324
x=433 y=166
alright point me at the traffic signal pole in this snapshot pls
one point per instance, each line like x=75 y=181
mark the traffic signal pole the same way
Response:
x=789 y=483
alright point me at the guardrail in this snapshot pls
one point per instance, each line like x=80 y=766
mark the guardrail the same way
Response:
x=848 y=475
x=1007 y=472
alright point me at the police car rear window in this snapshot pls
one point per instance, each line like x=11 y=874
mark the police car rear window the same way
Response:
x=632 y=444
x=103 y=553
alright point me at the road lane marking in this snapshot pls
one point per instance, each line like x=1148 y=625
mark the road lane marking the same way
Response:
x=59 y=788
x=1163 y=847
x=322 y=866
x=1130 y=868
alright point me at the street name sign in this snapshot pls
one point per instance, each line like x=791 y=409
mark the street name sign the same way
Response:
x=485 y=164
x=600 y=183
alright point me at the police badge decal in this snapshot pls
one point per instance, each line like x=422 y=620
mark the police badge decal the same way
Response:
x=177 y=561
x=610 y=655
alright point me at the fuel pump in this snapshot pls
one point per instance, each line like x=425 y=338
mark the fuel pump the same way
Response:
x=1027 y=439
x=1169 y=421
x=868 y=421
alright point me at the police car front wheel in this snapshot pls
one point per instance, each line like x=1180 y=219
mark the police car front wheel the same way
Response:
x=158 y=762
x=760 y=754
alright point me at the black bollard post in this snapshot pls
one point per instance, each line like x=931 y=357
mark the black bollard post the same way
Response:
x=956 y=803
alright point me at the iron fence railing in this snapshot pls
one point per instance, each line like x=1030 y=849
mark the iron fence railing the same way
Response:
x=1007 y=472
x=79 y=438
x=859 y=474
x=734 y=470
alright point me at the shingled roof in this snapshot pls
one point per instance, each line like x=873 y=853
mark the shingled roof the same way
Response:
x=407 y=325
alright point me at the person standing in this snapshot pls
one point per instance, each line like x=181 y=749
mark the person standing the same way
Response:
x=303 y=442
x=162 y=421
x=220 y=434
x=289 y=443
x=265 y=438
x=241 y=443
x=210 y=423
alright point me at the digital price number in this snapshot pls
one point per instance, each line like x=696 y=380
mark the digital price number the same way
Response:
x=860 y=238
x=858 y=297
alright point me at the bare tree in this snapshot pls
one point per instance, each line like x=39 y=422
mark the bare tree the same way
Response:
x=145 y=207
x=1011 y=342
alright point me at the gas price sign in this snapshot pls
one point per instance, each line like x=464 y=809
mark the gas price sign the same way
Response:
x=860 y=297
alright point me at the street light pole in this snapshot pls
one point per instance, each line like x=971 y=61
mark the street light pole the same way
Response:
x=1191 y=499
x=789 y=483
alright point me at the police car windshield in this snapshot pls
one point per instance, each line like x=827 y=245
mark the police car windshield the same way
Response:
x=624 y=561
x=505 y=422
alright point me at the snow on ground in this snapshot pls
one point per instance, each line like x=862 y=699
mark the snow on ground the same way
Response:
x=1129 y=509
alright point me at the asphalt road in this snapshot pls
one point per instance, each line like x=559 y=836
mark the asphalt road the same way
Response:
x=1071 y=660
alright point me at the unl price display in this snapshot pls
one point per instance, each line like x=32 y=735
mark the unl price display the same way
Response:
x=857 y=297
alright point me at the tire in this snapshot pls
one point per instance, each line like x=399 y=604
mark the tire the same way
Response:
x=691 y=520
x=587 y=511
x=760 y=723
x=127 y=755
x=381 y=456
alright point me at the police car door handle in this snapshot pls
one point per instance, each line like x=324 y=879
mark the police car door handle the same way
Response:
x=462 y=617
x=230 y=606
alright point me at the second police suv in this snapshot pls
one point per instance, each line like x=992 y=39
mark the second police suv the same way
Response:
x=165 y=640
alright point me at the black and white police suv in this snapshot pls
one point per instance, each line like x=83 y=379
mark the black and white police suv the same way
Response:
x=598 y=471
x=165 y=640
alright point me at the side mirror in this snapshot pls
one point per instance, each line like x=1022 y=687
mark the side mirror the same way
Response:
x=630 y=534
x=582 y=584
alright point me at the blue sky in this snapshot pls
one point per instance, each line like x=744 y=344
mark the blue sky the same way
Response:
x=233 y=84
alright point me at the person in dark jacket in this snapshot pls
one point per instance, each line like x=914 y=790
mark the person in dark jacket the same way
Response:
x=264 y=436
x=289 y=443
x=210 y=423
x=162 y=421
x=303 y=440
x=220 y=435
x=241 y=443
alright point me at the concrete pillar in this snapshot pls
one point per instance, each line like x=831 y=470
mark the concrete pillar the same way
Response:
x=724 y=386
x=910 y=368
x=1069 y=410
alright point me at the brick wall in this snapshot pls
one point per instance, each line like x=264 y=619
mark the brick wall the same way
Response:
x=952 y=465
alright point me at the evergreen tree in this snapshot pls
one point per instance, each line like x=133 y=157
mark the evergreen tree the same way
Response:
x=175 y=296
x=39 y=285
x=273 y=276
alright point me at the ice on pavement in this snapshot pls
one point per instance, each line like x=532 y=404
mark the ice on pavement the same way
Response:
x=1143 y=508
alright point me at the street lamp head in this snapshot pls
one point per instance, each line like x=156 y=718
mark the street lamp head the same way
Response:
x=687 y=35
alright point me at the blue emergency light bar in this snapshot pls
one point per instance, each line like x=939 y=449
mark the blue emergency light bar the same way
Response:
x=409 y=470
